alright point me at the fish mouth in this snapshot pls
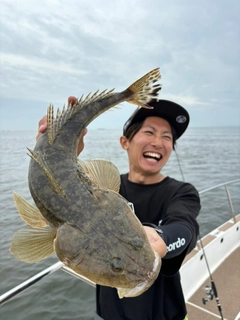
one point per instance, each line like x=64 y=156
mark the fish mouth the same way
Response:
x=145 y=285
x=153 y=156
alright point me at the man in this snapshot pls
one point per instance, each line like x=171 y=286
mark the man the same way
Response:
x=166 y=207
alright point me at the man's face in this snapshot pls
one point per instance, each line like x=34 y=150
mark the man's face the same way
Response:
x=151 y=146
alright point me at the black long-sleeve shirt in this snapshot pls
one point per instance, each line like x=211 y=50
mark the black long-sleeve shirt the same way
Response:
x=173 y=206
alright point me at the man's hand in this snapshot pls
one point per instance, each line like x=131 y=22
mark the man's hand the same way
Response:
x=156 y=242
x=42 y=127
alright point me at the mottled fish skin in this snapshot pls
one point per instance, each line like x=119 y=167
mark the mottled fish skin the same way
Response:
x=97 y=234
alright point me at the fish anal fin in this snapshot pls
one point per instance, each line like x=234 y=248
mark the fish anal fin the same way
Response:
x=32 y=245
x=28 y=212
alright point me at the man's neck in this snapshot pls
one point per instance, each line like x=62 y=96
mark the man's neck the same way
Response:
x=145 y=179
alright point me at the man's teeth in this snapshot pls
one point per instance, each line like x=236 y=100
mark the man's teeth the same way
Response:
x=152 y=155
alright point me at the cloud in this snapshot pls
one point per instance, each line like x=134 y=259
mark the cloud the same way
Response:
x=41 y=65
x=52 y=49
x=188 y=100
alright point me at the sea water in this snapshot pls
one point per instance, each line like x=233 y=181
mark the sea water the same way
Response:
x=204 y=157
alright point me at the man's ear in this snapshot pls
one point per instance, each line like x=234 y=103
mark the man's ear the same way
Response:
x=124 y=142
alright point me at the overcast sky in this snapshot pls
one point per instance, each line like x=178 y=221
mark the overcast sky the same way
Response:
x=51 y=49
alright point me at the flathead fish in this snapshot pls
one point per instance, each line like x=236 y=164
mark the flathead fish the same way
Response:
x=79 y=213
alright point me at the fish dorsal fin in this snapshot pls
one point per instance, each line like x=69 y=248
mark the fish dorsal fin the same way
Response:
x=28 y=212
x=56 y=124
x=32 y=245
x=103 y=173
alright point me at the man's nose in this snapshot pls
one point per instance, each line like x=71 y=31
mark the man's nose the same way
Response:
x=157 y=142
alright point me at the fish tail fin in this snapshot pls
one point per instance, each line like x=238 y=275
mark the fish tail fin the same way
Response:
x=32 y=245
x=28 y=212
x=145 y=89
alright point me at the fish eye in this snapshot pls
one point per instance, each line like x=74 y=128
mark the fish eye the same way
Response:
x=117 y=265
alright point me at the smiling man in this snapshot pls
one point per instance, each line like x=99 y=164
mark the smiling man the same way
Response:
x=166 y=207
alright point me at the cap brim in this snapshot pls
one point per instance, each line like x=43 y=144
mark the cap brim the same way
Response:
x=175 y=114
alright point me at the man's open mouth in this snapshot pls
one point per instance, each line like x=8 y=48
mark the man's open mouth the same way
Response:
x=153 y=156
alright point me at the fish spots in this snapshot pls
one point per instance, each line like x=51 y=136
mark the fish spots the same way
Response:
x=117 y=265
x=137 y=243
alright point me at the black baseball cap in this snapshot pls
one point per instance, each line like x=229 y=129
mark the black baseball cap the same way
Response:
x=176 y=115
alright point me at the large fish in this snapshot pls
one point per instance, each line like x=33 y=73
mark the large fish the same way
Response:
x=79 y=213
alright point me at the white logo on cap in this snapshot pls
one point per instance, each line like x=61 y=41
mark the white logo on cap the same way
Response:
x=181 y=119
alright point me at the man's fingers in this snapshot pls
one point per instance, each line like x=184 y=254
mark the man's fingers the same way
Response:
x=156 y=242
x=72 y=100
x=42 y=126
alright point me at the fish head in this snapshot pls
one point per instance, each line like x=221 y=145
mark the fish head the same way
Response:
x=142 y=286
x=119 y=259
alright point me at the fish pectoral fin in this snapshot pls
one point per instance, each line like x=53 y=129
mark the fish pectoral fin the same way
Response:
x=84 y=173
x=145 y=89
x=28 y=212
x=82 y=165
x=103 y=174
x=32 y=245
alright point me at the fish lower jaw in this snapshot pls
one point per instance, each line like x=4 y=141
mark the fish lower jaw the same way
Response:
x=134 y=292
x=143 y=286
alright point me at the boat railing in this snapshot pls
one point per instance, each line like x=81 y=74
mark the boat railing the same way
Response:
x=226 y=184
x=59 y=265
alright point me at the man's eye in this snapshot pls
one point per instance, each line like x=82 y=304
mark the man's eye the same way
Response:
x=168 y=137
x=149 y=132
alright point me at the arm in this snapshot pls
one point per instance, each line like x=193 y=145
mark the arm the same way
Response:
x=181 y=215
x=179 y=228
x=171 y=242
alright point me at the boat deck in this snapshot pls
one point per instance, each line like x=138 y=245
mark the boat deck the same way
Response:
x=225 y=277
x=227 y=281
